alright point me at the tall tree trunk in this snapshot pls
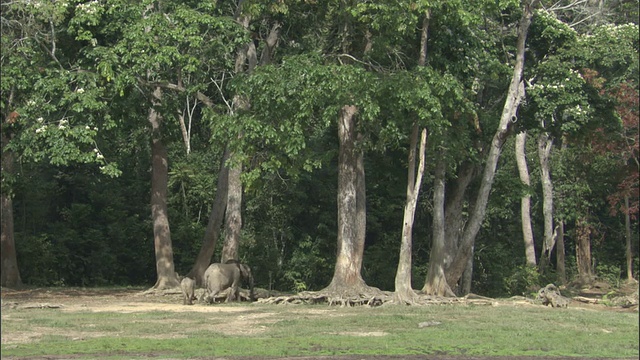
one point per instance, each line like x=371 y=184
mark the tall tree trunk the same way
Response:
x=467 y=277
x=560 y=253
x=436 y=282
x=212 y=232
x=514 y=95
x=233 y=216
x=347 y=277
x=165 y=269
x=629 y=249
x=454 y=218
x=560 y=248
x=361 y=202
x=545 y=144
x=525 y=201
x=583 y=251
x=403 y=290
x=9 y=271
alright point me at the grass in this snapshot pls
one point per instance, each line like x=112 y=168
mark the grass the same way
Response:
x=269 y=330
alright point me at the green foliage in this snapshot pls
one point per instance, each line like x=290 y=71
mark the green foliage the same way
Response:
x=524 y=280
x=82 y=114
x=610 y=273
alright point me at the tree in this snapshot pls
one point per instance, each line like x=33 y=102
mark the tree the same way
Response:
x=525 y=201
x=403 y=291
x=51 y=108
x=514 y=96
x=175 y=44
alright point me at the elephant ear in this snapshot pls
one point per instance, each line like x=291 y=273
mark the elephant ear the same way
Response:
x=245 y=270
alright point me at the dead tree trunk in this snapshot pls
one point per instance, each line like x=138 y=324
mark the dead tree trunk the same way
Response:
x=403 y=290
x=159 y=212
x=514 y=95
x=525 y=200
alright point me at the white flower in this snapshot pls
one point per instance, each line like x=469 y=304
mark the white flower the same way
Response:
x=99 y=156
x=40 y=119
x=41 y=129
x=80 y=91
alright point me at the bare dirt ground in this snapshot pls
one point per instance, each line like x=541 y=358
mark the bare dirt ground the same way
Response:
x=135 y=300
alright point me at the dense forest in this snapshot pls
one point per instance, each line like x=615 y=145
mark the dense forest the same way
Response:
x=485 y=146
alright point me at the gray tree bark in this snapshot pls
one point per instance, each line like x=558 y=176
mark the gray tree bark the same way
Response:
x=525 y=201
x=233 y=215
x=545 y=144
x=560 y=255
x=436 y=282
x=583 y=250
x=403 y=290
x=212 y=232
x=628 y=243
x=514 y=95
x=347 y=276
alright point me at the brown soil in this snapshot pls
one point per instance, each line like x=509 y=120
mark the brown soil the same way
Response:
x=135 y=300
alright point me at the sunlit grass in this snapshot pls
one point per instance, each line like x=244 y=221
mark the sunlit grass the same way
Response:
x=269 y=330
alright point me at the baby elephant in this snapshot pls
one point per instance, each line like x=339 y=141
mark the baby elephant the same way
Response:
x=188 y=286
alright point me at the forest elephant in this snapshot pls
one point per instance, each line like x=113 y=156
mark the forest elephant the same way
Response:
x=188 y=287
x=219 y=277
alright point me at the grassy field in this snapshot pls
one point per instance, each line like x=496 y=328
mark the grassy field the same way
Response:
x=116 y=326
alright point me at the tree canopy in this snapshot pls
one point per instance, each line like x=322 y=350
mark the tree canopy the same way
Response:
x=103 y=98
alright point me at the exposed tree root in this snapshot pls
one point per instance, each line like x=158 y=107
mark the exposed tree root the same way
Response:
x=374 y=298
x=333 y=296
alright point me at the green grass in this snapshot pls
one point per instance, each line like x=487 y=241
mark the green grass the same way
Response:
x=321 y=330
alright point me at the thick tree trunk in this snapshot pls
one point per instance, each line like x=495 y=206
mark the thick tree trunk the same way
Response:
x=545 y=144
x=436 y=282
x=514 y=95
x=233 y=216
x=583 y=251
x=560 y=252
x=454 y=218
x=9 y=271
x=214 y=224
x=347 y=277
x=525 y=201
x=467 y=277
x=403 y=290
x=165 y=269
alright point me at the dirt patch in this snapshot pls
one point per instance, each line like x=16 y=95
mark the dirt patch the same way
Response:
x=245 y=322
